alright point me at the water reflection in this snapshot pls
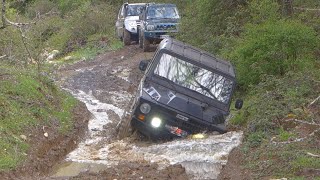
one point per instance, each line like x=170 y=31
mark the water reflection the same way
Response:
x=195 y=78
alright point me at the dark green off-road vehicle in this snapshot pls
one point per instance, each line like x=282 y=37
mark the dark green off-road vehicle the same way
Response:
x=183 y=91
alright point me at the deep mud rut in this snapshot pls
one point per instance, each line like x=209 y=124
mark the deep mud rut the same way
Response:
x=106 y=85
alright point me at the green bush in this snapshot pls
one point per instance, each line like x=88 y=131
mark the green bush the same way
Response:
x=273 y=48
x=274 y=98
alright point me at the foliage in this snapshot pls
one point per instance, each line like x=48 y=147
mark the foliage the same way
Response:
x=264 y=10
x=287 y=160
x=274 y=98
x=273 y=48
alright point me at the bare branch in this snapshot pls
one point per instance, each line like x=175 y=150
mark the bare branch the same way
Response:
x=303 y=122
x=306 y=9
x=18 y=24
x=6 y=21
x=297 y=139
x=314 y=101
x=25 y=43
x=3 y=56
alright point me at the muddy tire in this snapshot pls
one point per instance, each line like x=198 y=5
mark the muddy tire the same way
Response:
x=145 y=44
x=126 y=37
x=124 y=128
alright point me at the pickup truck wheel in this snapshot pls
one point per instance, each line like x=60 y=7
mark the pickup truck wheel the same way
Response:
x=126 y=37
x=145 y=44
x=140 y=40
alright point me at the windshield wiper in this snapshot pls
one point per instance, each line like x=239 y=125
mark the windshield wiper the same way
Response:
x=172 y=84
x=205 y=89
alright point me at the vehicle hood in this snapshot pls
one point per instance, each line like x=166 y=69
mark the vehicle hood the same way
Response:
x=160 y=21
x=132 y=18
x=190 y=106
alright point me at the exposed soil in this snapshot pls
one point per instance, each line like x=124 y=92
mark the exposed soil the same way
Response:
x=233 y=170
x=45 y=152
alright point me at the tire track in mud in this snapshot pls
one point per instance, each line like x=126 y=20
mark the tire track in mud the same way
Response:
x=105 y=85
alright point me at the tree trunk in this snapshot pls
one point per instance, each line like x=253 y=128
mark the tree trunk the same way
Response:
x=3 y=12
x=287 y=7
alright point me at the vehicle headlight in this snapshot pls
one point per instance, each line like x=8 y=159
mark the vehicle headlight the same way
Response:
x=145 y=108
x=156 y=122
x=150 y=27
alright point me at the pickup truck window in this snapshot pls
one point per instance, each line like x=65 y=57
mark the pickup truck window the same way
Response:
x=162 y=12
x=134 y=10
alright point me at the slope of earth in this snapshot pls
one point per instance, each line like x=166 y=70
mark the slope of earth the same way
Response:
x=46 y=152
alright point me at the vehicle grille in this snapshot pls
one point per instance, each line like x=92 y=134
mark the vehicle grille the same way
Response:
x=170 y=117
x=166 y=27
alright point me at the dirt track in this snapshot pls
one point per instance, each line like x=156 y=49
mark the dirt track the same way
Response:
x=105 y=85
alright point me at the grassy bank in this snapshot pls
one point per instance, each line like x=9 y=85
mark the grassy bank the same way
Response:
x=27 y=102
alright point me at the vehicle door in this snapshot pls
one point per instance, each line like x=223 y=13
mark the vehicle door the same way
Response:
x=120 y=21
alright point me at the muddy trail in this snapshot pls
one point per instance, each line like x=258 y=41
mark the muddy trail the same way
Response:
x=106 y=85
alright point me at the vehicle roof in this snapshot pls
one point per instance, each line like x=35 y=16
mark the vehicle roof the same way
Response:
x=197 y=55
x=136 y=3
x=160 y=4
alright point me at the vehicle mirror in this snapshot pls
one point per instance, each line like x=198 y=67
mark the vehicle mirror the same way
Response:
x=143 y=65
x=239 y=104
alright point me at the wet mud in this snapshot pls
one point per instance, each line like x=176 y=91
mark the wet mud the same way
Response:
x=106 y=85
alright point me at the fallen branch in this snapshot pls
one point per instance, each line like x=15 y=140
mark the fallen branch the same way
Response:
x=306 y=9
x=313 y=155
x=314 y=101
x=19 y=25
x=3 y=56
x=303 y=122
x=296 y=140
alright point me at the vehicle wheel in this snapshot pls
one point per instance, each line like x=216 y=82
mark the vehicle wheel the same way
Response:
x=124 y=127
x=126 y=37
x=140 y=40
x=145 y=44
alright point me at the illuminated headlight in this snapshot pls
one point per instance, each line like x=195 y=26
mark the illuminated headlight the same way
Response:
x=156 y=122
x=145 y=108
x=150 y=27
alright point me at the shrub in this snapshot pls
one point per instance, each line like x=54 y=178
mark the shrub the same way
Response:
x=274 y=98
x=273 y=48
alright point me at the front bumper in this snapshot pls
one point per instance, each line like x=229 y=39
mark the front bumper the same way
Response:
x=169 y=118
x=149 y=131
x=156 y=34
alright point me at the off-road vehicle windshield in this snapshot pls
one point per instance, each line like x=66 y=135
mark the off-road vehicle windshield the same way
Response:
x=195 y=78
x=162 y=12
x=134 y=10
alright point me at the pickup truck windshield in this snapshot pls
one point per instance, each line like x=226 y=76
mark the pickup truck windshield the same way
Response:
x=134 y=10
x=195 y=78
x=162 y=12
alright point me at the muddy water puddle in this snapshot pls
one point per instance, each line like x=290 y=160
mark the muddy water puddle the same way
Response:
x=201 y=158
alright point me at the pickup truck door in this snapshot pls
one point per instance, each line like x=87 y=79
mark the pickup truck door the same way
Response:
x=120 y=21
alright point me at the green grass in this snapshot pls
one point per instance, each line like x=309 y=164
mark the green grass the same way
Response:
x=280 y=160
x=26 y=102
